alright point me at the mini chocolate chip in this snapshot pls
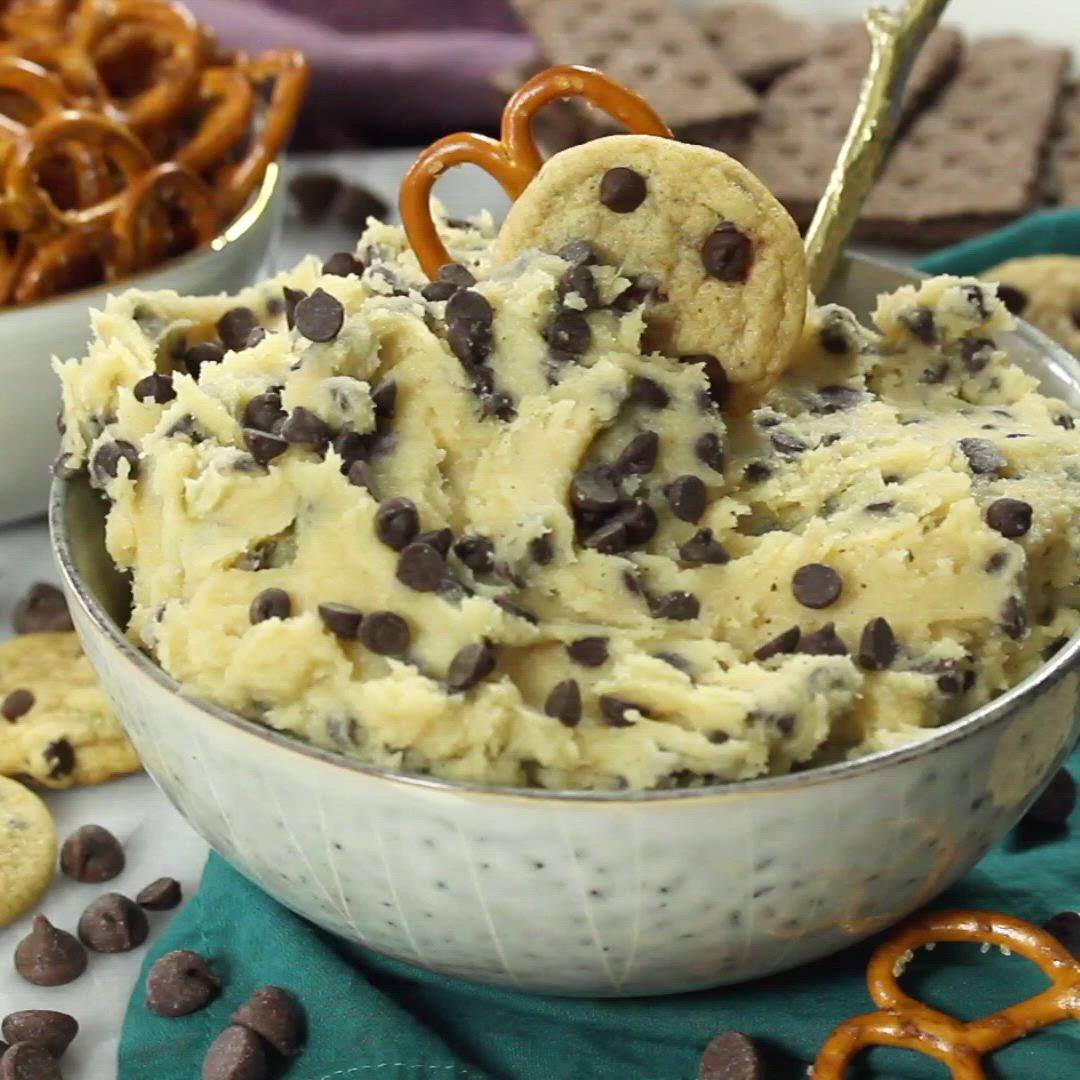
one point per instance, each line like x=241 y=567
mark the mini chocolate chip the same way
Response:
x=880 y=507
x=703 y=547
x=515 y=609
x=648 y=392
x=580 y=280
x=255 y=337
x=28 y=1061
x=688 y=497
x=234 y=327
x=341 y=620
x=1014 y=620
x=320 y=316
x=420 y=567
x=48 y=956
x=834 y=340
x=179 y=983
x=60 y=756
x=756 y=472
x=314 y=192
x=162 y=894
x=42 y=609
x=594 y=492
x=456 y=274
x=731 y=1055
x=936 y=374
x=640 y=521
x=52 y=1031
x=569 y=332
x=270 y=604
x=17 y=704
x=834 y=399
x=157 y=387
x=106 y=465
x=578 y=253
x=615 y=711
x=564 y=703
x=360 y=475
x=468 y=326
x=709 y=449
x=783 y=644
x=499 y=404
x=477 y=553
x=622 y=190
x=274 y=1014
x=589 y=651
x=816 y=585
x=1010 y=517
x=112 y=924
x=439 y=539
x=91 y=854
x=1057 y=801
x=984 y=458
x=303 y=426
x=823 y=642
x=787 y=443
x=996 y=562
x=264 y=412
x=385 y=633
x=236 y=1054
x=638 y=457
x=920 y=321
x=727 y=254
x=342 y=264
x=384 y=398
x=679 y=606
x=351 y=446
x=1014 y=299
x=205 y=352
x=608 y=539
x=1065 y=421
x=436 y=291
x=877 y=645
x=719 y=384
x=470 y=664
x=397 y=522
x=975 y=353
x=542 y=548
x=1065 y=926
x=263 y=446
x=292 y=298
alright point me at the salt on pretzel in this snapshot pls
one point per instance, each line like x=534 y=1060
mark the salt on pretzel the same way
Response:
x=903 y=1021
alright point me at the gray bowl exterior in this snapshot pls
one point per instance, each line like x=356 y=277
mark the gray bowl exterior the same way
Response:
x=578 y=893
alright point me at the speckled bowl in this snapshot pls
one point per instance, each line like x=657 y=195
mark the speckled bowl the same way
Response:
x=582 y=893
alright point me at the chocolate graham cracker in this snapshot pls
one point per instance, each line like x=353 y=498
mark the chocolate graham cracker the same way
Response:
x=973 y=161
x=806 y=112
x=1063 y=180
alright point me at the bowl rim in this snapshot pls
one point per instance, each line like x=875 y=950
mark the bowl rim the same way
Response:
x=1042 y=679
x=236 y=230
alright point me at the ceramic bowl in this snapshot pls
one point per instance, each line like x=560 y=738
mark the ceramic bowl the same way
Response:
x=34 y=334
x=585 y=893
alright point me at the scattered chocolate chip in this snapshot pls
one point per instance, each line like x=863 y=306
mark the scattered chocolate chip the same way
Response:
x=564 y=702
x=499 y=404
x=234 y=327
x=351 y=446
x=439 y=539
x=358 y=203
x=42 y=609
x=688 y=497
x=639 y=455
x=236 y=1054
x=578 y=253
x=205 y=352
x=996 y=562
x=703 y=547
x=60 y=756
x=384 y=398
x=470 y=664
x=263 y=446
x=542 y=548
x=787 y=443
x=255 y=337
x=264 y=412
x=420 y=567
x=648 y=392
x=877 y=645
x=157 y=387
x=314 y=193
x=756 y=472
x=834 y=399
x=48 y=956
x=112 y=924
x=920 y=321
x=477 y=553
x=385 y=633
x=52 y=1031
x=304 y=427
x=91 y=854
x=783 y=644
x=608 y=539
x=468 y=326
x=569 y=332
x=1065 y=421
x=984 y=458
x=275 y=1015
x=180 y=982
x=1014 y=299
x=292 y=298
x=936 y=373
x=515 y=609
x=360 y=475
x=1014 y=620
x=28 y=1061
x=341 y=620
x=615 y=711
x=639 y=520
x=594 y=492
x=397 y=522
x=1065 y=926
x=1053 y=807
x=17 y=704
x=823 y=642
x=589 y=651
x=816 y=585
x=880 y=507
x=1010 y=517
x=340 y=264
x=436 y=291
x=161 y=895
x=679 y=606
x=719 y=386
x=834 y=340
x=727 y=254
x=975 y=353
x=106 y=464
x=622 y=190
x=731 y=1055
x=580 y=280
x=320 y=316
x=270 y=604
x=709 y=449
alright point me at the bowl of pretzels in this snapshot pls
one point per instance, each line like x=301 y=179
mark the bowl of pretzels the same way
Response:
x=134 y=151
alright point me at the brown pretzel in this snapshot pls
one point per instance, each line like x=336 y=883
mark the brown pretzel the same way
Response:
x=72 y=260
x=903 y=1021
x=29 y=93
x=228 y=101
x=513 y=160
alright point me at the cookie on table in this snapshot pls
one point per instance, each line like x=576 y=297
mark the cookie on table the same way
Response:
x=56 y=725
x=27 y=849
x=725 y=258
x=1044 y=290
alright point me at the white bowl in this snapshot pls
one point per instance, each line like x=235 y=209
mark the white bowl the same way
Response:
x=60 y=326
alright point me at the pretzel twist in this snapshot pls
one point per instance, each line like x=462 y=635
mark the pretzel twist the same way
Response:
x=513 y=159
x=54 y=267
x=229 y=102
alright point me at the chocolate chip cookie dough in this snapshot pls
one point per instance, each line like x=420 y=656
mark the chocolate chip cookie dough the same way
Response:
x=474 y=527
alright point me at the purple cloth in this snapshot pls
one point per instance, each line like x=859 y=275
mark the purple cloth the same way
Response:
x=382 y=71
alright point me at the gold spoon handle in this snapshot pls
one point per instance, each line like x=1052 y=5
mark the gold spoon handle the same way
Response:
x=895 y=40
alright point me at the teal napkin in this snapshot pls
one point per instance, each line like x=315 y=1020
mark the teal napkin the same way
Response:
x=371 y=1018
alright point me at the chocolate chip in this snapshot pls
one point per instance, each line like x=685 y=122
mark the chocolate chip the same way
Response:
x=420 y=567
x=1014 y=620
x=470 y=664
x=112 y=924
x=91 y=854
x=48 y=956
x=709 y=449
x=360 y=475
x=639 y=455
x=161 y=895
x=205 y=352
x=341 y=620
x=564 y=703
x=877 y=645
x=608 y=539
x=314 y=193
x=975 y=353
x=1014 y=299
x=236 y=1054
x=179 y=983
x=880 y=507
x=920 y=321
x=786 y=443
x=1053 y=807
x=731 y=1055
x=385 y=633
x=292 y=298
x=436 y=291
x=439 y=539
x=719 y=386
x=257 y=335
x=60 y=756
x=640 y=521
x=320 y=316
x=28 y=1061
x=589 y=651
x=648 y=392
x=688 y=497
x=384 y=398
x=580 y=280
x=679 y=606
x=304 y=427
x=756 y=472
x=823 y=642
x=515 y=609
x=42 y=609
x=477 y=553
x=542 y=548
x=833 y=339
x=569 y=332
x=578 y=253
x=17 y=704
x=397 y=522
x=263 y=446
x=358 y=203
x=342 y=264
x=984 y=458
x=270 y=604
x=157 y=387
x=264 y=412
x=783 y=644
x=274 y=1014
x=468 y=326
x=52 y=1031
x=616 y=711
x=816 y=585
x=1065 y=926
x=1010 y=517
x=703 y=547
x=106 y=465
x=727 y=254
x=234 y=327
x=622 y=190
